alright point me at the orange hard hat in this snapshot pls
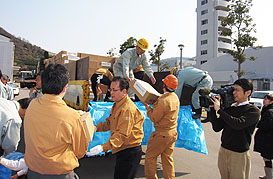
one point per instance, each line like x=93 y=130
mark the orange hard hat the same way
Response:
x=170 y=81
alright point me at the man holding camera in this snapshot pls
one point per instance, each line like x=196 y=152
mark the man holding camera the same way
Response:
x=237 y=124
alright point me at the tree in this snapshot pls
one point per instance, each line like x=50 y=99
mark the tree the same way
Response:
x=129 y=43
x=239 y=27
x=155 y=55
x=111 y=52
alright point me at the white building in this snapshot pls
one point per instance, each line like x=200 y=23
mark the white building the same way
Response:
x=6 y=56
x=259 y=71
x=210 y=44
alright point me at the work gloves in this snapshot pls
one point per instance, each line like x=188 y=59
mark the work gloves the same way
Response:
x=95 y=150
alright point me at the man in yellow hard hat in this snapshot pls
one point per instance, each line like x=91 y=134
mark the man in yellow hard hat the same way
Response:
x=130 y=60
x=164 y=115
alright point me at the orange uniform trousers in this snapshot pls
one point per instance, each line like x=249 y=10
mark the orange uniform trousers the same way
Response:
x=160 y=145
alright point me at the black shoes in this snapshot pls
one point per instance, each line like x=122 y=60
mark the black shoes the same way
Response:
x=205 y=120
x=197 y=114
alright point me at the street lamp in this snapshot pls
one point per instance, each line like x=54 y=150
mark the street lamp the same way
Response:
x=181 y=46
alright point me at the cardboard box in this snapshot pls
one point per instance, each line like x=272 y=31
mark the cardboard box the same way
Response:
x=144 y=91
x=71 y=67
x=88 y=125
x=88 y=65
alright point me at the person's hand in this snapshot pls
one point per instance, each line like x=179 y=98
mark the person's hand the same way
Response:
x=153 y=79
x=95 y=150
x=14 y=176
x=216 y=103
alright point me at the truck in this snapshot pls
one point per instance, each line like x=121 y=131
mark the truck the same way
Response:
x=27 y=79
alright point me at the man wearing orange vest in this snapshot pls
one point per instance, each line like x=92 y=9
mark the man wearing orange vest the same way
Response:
x=164 y=115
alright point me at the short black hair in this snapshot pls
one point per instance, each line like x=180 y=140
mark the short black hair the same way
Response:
x=246 y=84
x=0 y=73
x=269 y=96
x=24 y=102
x=54 y=79
x=123 y=82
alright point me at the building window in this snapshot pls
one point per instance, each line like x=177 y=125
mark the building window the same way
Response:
x=203 y=61
x=203 y=22
x=204 y=12
x=203 y=2
x=203 y=42
x=204 y=52
x=203 y=32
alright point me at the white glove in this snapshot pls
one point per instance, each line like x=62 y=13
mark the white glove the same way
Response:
x=95 y=150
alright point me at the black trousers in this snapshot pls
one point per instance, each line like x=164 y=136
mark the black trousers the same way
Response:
x=139 y=75
x=127 y=162
x=97 y=79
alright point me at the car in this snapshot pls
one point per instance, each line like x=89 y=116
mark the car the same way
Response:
x=257 y=98
x=15 y=88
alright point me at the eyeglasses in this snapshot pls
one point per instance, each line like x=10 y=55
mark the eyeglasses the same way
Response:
x=114 y=90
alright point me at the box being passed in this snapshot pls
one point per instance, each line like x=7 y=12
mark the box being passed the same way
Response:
x=144 y=91
x=88 y=125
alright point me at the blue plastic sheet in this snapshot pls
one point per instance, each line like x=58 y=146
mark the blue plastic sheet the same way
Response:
x=4 y=171
x=191 y=135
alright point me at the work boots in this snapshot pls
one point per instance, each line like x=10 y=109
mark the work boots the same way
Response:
x=197 y=114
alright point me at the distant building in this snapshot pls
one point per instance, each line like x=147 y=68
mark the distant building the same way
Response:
x=210 y=44
x=6 y=56
x=174 y=62
x=259 y=71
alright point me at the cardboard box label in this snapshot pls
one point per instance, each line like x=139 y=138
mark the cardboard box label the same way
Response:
x=140 y=88
x=144 y=91
x=105 y=64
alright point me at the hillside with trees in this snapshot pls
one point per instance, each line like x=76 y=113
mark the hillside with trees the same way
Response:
x=26 y=55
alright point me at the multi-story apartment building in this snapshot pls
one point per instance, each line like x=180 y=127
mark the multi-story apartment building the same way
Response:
x=210 y=44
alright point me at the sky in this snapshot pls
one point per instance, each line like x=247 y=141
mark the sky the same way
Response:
x=96 y=26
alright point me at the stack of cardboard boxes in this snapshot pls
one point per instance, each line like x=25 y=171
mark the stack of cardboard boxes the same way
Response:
x=81 y=66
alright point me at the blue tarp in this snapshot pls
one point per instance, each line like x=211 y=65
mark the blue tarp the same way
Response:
x=5 y=172
x=191 y=135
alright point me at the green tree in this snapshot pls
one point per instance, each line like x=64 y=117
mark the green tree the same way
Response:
x=155 y=55
x=131 y=42
x=239 y=26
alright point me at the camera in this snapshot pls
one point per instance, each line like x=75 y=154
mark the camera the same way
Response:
x=225 y=93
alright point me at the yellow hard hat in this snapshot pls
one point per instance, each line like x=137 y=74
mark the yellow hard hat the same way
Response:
x=173 y=69
x=143 y=44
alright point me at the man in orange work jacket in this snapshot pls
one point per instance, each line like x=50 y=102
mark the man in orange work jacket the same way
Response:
x=164 y=115
x=126 y=125
x=54 y=133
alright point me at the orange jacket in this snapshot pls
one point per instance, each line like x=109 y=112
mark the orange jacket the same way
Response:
x=126 y=125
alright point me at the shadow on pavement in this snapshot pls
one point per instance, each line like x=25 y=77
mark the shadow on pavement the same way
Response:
x=102 y=167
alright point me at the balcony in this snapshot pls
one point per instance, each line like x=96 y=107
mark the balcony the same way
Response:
x=221 y=5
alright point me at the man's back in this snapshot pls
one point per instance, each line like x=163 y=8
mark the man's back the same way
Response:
x=10 y=123
x=53 y=134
